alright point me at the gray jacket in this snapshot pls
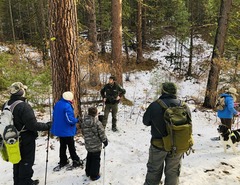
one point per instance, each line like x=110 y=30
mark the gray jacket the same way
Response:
x=93 y=132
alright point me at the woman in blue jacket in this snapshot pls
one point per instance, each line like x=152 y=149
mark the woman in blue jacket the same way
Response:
x=64 y=126
x=226 y=115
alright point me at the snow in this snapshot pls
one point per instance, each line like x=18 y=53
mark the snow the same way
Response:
x=125 y=158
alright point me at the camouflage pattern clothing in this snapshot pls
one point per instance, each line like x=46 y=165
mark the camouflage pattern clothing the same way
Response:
x=93 y=132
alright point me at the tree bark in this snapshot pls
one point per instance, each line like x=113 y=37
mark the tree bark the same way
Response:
x=117 y=40
x=217 y=55
x=63 y=48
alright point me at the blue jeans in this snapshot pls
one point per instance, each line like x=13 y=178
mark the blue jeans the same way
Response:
x=160 y=161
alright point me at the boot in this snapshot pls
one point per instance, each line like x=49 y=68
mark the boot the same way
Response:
x=94 y=178
x=77 y=163
x=35 y=182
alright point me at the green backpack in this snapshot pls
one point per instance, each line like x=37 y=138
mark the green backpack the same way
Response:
x=179 y=129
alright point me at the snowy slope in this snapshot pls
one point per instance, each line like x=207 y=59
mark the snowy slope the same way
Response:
x=124 y=162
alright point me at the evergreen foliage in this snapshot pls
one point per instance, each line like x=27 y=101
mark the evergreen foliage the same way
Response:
x=38 y=79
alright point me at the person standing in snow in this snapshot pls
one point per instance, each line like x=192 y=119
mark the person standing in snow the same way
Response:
x=226 y=115
x=26 y=123
x=94 y=136
x=160 y=160
x=111 y=94
x=64 y=126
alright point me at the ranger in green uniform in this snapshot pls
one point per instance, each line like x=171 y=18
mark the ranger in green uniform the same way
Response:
x=111 y=94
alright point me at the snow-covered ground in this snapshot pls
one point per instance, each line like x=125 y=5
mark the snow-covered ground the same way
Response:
x=124 y=160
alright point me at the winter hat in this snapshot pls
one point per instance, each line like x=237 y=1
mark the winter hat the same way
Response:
x=68 y=95
x=113 y=78
x=18 y=89
x=169 y=88
x=232 y=90
x=92 y=111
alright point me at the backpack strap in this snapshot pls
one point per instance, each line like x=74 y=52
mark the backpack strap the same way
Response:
x=11 y=108
x=165 y=106
x=14 y=105
x=162 y=103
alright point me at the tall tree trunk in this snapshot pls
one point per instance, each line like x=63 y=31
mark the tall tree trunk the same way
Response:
x=189 y=72
x=139 y=33
x=12 y=23
x=117 y=39
x=218 y=49
x=63 y=47
x=102 y=39
x=42 y=28
x=144 y=25
x=21 y=20
x=92 y=37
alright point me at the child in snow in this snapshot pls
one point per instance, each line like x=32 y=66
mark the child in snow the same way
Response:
x=94 y=136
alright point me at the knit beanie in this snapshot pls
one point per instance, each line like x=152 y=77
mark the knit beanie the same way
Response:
x=92 y=111
x=68 y=95
x=17 y=89
x=169 y=88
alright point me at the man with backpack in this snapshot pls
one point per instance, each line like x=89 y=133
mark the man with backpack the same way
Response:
x=164 y=158
x=26 y=123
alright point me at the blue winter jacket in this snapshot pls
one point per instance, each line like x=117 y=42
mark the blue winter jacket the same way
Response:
x=64 y=122
x=229 y=111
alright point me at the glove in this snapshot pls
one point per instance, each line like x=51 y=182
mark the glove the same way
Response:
x=49 y=125
x=236 y=104
x=105 y=143
x=79 y=119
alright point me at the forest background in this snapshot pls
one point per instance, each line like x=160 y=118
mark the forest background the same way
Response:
x=78 y=40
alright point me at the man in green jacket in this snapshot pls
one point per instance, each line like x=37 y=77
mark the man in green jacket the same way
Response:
x=111 y=94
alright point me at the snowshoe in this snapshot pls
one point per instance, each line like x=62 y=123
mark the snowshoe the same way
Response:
x=114 y=129
x=215 y=138
x=60 y=166
x=75 y=164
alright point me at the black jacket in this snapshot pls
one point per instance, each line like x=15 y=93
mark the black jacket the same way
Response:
x=24 y=118
x=154 y=115
x=111 y=92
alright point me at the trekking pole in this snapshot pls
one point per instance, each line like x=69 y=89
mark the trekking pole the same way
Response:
x=104 y=164
x=48 y=137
